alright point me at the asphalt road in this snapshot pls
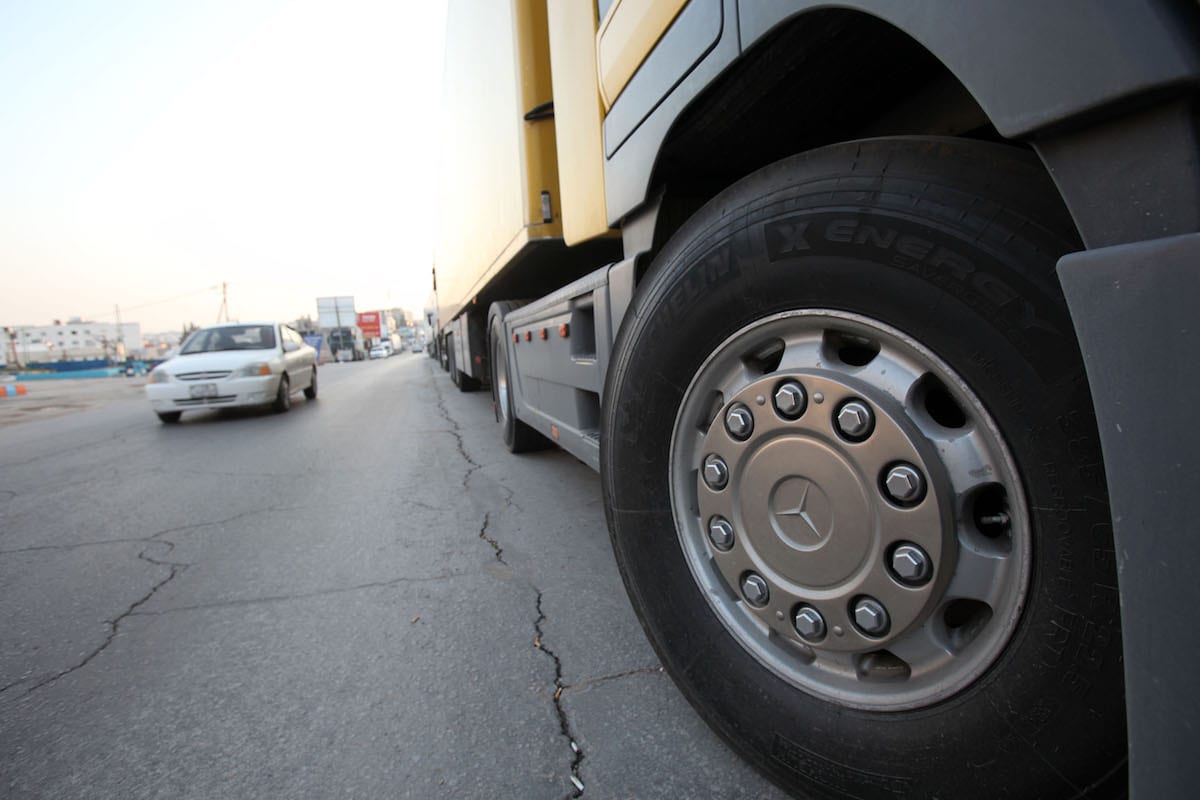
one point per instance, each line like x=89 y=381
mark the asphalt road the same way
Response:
x=364 y=597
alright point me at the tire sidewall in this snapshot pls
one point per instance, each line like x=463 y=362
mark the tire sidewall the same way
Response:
x=499 y=367
x=1000 y=325
x=283 y=396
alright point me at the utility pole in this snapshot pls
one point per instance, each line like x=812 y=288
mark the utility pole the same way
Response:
x=12 y=343
x=224 y=310
x=337 y=313
x=120 y=335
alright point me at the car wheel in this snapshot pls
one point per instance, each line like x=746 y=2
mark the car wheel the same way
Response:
x=283 y=397
x=169 y=417
x=311 y=390
x=854 y=485
x=518 y=436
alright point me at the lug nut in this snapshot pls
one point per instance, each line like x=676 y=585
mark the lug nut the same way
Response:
x=855 y=420
x=720 y=533
x=755 y=590
x=911 y=565
x=904 y=483
x=871 y=617
x=716 y=473
x=739 y=422
x=809 y=623
x=790 y=400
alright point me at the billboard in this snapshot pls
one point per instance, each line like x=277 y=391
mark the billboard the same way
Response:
x=314 y=340
x=368 y=323
x=335 y=312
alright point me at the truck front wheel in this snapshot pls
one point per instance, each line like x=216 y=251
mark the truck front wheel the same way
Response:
x=854 y=485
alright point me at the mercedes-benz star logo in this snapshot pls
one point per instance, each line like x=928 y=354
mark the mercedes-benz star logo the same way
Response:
x=801 y=511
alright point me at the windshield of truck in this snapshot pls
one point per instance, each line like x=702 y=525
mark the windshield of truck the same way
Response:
x=231 y=337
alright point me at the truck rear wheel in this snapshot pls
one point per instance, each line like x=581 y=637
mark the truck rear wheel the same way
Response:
x=854 y=485
x=451 y=367
x=518 y=437
x=462 y=380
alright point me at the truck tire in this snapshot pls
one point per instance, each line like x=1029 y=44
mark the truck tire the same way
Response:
x=451 y=366
x=854 y=485
x=462 y=380
x=518 y=437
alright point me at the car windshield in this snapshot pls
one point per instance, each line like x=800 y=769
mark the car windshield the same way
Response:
x=231 y=337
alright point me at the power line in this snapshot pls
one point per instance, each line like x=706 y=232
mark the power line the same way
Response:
x=183 y=296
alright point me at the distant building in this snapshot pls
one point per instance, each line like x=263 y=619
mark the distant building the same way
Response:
x=77 y=340
x=157 y=345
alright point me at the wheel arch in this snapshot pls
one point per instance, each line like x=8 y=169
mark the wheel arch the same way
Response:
x=807 y=77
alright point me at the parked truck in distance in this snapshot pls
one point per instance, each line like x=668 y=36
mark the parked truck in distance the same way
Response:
x=347 y=344
x=339 y=321
x=867 y=317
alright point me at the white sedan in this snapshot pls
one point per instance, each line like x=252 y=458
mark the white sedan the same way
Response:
x=235 y=364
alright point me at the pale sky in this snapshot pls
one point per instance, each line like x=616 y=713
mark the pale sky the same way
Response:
x=152 y=149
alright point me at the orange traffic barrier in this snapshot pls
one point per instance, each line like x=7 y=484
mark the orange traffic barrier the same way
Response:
x=13 y=390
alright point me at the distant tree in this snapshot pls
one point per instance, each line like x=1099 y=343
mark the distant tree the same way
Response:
x=188 y=329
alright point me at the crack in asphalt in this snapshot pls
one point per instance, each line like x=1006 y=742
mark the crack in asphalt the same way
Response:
x=154 y=537
x=564 y=722
x=629 y=673
x=249 y=601
x=240 y=515
x=114 y=625
x=455 y=431
x=97 y=480
x=76 y=546
x=175 y=568
x=510 y=496
x=74 y=448
x=483 y=534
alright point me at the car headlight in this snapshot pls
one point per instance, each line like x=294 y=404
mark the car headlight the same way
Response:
x=158 y=376
x=250 y=370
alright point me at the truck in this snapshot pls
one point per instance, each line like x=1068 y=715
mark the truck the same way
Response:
x=873 y=320
x=337 y=319
x=347 y=344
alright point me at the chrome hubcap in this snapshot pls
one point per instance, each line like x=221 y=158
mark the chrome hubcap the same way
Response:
x=850 y=490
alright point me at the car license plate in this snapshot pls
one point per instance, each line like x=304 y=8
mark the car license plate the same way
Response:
x=203 y=390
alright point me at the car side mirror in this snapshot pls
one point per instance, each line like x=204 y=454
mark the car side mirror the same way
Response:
x=290 y=347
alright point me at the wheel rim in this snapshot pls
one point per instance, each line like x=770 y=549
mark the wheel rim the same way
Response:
x=501 y=382
x=850 y=510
